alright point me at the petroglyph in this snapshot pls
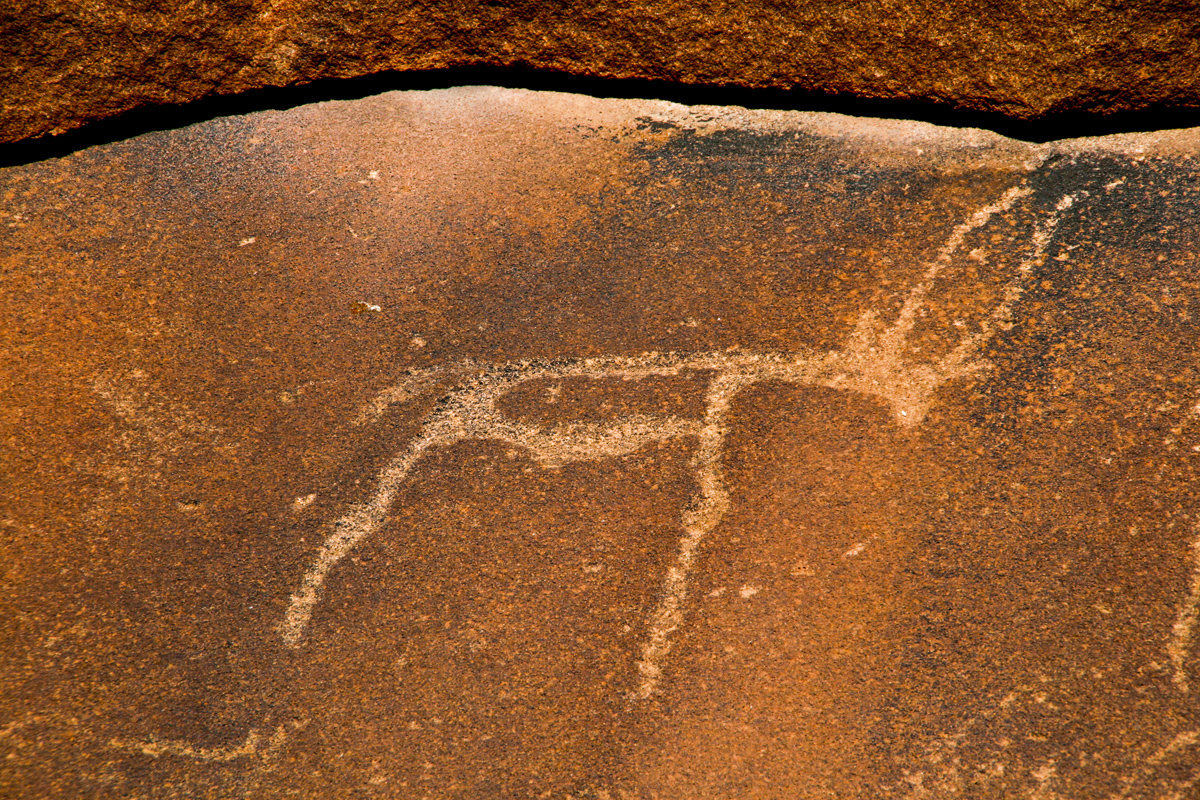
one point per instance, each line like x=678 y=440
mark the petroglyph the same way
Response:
x=1179 y=643
x=162 y=428
x=875 y=361
x=155 y=748
x=253 y=746
x=982 y=755
x=1178 y=744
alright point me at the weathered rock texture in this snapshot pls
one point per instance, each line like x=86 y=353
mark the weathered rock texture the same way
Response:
x=483 y=444
x=64 y=63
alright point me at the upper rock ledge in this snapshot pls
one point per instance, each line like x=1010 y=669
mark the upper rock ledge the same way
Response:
x=63 y=64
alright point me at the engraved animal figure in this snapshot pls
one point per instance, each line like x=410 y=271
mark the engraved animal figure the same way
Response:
x=874 y=361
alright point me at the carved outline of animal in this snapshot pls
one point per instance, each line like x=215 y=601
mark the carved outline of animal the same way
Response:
x=873 y=362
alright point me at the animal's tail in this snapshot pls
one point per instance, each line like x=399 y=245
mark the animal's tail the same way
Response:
x=412 y=384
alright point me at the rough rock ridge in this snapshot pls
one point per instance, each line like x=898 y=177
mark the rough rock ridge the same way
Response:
x=64 y=63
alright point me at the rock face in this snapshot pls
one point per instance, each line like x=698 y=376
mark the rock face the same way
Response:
x=64 y=63
x=481 y=444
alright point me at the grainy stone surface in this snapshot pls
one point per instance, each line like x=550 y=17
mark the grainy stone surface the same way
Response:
x=66 y=62
x=482 y=444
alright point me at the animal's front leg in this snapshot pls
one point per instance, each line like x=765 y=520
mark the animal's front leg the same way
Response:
x=699 y=519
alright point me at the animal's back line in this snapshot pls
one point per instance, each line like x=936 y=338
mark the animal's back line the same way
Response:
x=768 y=364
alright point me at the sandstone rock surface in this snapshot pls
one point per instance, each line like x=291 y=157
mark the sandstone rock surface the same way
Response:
x=64 y=63
x=481 y=444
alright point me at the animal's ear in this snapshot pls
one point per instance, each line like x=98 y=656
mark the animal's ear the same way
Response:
x=952 y=274
x=970 y=291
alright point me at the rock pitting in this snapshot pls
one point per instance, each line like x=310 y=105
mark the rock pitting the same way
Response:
x=485 y=443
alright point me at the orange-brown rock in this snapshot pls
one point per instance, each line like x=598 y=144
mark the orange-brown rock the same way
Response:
x=484 y=444
x=64 y=63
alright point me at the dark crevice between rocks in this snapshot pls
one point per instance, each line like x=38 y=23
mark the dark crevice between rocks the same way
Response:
x=149 y=118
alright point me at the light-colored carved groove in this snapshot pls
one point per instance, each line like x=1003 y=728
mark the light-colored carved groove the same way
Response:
x=875 y=362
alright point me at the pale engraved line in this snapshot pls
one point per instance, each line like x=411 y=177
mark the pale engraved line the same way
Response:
x=947 y=768
x=1180 y=743
x=1181 y=632
x=251 y=747
x=896 y=336
x=1001 y=316
x=873 y=363
x=415 y=384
